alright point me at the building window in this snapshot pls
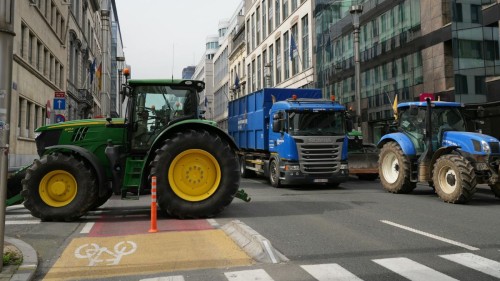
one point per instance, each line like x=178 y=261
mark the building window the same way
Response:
x=285 y=9
x=271 y=17
x=257 y=23
x=286 y=55
x=295 y=55
x=259 y=72
x=253 y=76
x=278 y=60
x=294 y=5
x=480 y=85
x=264 y=20
x=461 y=87
x=277 y=9
x=475 y=13
x=253 y=31
x=305 y=42
x=271 y=64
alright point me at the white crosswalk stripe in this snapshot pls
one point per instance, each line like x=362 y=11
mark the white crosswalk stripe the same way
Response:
x=330 y=272
x=412 y=270
x=476 y=262
x=168 y=278
x=248 y=275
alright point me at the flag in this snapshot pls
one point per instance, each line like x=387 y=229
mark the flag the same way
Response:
x=98 y=75
x=395 y=106
x=293 y=47
x=237 y=82
x=92 y=71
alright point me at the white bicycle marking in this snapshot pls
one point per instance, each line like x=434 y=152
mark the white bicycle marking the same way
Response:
x=93 y=252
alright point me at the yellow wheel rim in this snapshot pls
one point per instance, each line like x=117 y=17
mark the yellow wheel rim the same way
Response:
x=194 y=175
x=58 y=188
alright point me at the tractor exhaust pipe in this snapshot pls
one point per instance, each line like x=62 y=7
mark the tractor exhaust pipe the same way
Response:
x=425 y=160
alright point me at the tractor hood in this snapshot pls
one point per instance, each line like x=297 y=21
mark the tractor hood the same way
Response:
x=79 y=123
x=473 y=143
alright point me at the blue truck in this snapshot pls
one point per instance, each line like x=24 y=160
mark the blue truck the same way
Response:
x=291 y=136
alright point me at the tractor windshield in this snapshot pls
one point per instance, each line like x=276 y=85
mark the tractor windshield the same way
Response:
x=157 y=106
x=311 y=123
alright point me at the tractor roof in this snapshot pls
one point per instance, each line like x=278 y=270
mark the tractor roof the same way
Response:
x=434 y=103
x=167 y=82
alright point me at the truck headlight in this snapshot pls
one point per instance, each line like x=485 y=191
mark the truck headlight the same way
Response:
x=343 y=166
x=292 y=167
x=486 y=147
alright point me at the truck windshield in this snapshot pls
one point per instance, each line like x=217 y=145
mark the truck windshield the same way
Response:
x=310 y=123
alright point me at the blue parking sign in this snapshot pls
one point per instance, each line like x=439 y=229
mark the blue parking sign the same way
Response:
x=59 y=104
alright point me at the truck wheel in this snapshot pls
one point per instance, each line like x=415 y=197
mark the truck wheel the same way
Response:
x=244 y=172
x=59 y=187
x=394 y=169
x=274 y=174
x=454 y=179
x=496 y=189
x=197 y=174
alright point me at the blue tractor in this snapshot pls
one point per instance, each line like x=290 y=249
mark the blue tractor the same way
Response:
x=432 y=146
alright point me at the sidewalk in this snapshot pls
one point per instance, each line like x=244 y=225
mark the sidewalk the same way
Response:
x=26 y=270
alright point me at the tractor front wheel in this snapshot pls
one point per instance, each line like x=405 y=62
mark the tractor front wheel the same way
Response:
x=59 y=187
x=197 y=174
x=454 y=179
x=394 y=169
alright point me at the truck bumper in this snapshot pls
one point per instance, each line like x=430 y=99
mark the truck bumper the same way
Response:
x=297 y=177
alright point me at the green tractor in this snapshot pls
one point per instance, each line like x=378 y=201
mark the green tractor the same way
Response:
x=84 y=162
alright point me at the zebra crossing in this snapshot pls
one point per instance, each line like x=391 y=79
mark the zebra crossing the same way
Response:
x=401 y=266
x=18 y=215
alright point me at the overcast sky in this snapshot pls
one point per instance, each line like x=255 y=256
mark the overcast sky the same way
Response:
x=164 y=35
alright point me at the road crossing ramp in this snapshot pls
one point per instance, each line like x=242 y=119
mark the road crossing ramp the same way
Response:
x=100 y=257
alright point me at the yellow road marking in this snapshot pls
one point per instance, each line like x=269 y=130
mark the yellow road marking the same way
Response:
x=94 y=257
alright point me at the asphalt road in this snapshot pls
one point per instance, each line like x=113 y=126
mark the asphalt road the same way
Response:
x=365 y=232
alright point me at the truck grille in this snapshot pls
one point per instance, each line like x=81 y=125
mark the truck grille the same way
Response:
x=320 y=158
x=79 y=134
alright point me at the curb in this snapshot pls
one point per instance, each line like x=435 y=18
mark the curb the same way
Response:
x=25 y=271
x=254 y=244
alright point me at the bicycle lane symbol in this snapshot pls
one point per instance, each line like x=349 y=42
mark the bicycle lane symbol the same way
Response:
x=94 y=253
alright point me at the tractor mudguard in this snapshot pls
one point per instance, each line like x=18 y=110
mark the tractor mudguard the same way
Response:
x=90 y=157
x=403 y=141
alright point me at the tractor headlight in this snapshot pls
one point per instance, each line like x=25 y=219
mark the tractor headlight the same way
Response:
x=485 y=147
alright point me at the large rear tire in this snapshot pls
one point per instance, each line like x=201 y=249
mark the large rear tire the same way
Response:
x=197 y=174
x=59 y=187
x=394 y=169
x=454 y=179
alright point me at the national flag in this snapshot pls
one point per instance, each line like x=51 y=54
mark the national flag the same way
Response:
x=395 y=106
x=293 y=48
x=237 y=82
x=92 y=71
x=98 y=75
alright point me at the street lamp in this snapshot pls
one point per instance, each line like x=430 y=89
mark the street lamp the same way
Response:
x=356 y=11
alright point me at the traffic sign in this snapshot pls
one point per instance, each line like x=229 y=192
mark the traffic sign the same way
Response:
x=60 y=118
x=59 y=104
x=59 y=94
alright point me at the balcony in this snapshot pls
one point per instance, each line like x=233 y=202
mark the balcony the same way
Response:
x=85 y=96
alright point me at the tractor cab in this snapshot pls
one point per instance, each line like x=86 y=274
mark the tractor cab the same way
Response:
x=154 y=107
x=445 y=116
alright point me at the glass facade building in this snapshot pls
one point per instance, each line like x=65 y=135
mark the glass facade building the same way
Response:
x=408 y=47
